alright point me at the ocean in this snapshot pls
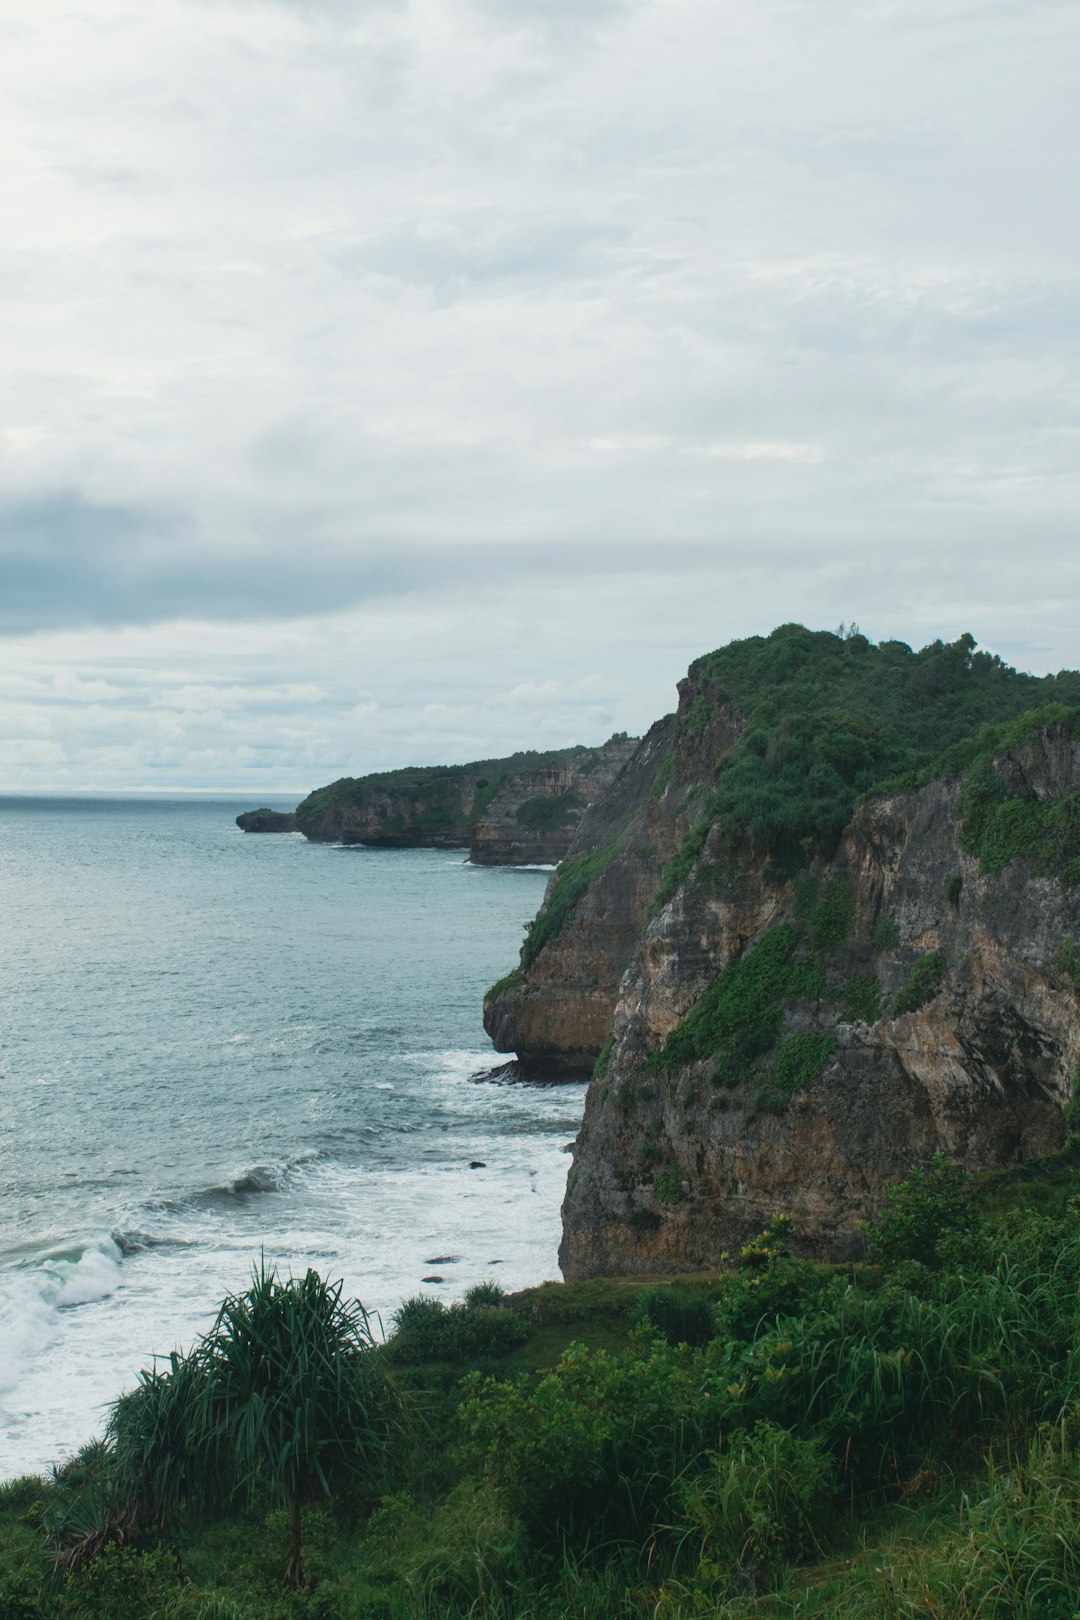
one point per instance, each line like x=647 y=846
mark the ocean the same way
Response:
x=216 y=1046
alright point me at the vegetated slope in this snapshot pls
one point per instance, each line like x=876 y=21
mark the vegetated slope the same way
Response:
x=871 y=1442
x=827 y=922
x=523 y=808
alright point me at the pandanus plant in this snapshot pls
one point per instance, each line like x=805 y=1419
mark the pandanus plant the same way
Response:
x=296 y=1396
x=285 y=1391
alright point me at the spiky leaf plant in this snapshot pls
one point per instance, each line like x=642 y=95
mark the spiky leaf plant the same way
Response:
x=294 y=1393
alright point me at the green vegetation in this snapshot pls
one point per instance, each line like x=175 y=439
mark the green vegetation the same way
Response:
x=798 y=1063
x=830 y=718
x=485 y=792
x=886 y=933
x=664 y=776
x=668 y=1186
x=550 y=813
x=682 y=1317
x=999 y=826
x=859 y=998
x=738 y=1018
x=600 y=1067
x=561 y=901
x=1068 y=961
x=428 y=1330
x=923 y=983
x=874 y=1442
x=432 y=796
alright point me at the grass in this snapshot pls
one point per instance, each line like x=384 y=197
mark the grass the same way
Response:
x=773 y=1440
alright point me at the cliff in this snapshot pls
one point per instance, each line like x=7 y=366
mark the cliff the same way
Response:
x=520 y=810
x=824 y=925
x=533 y=815
x=267 y=821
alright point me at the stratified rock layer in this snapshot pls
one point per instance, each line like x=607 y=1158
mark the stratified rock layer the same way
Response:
x=672 y=1169
x=522 y=810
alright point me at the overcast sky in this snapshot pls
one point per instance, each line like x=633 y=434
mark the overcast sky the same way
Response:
x=394 y=381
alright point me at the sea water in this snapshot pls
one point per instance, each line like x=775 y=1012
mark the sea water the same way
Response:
x=217 y=1046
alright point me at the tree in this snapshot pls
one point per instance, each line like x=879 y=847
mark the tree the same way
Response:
x=295 y=1393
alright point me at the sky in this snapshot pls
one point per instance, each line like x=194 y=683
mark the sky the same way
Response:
x=408 y=381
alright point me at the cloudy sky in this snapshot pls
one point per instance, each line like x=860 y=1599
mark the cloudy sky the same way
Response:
x=409 y=380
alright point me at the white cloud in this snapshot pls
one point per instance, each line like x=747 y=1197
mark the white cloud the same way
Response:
x=446 y=350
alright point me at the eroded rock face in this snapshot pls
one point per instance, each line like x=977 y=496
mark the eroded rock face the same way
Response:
x=671 y=1169
x=534 y=815
x=981 y=1071
x=557 y=1016
x=522 y=810
x=267 y=821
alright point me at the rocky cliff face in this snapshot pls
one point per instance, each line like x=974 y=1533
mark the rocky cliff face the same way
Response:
x=519 y=810
x=533 y=816
x=267 y=821
x=775 y=1042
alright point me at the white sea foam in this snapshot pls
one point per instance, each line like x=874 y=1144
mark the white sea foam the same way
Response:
x=31 y=1296
x=338 y=1134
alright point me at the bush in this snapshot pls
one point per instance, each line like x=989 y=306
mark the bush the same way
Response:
x=798 y=1064
x=427 y=1330
x=682 y=1317
x=763 y=1501
x=738 y=1019
x=923 y=983
x=859 y=999
x=930 y=1218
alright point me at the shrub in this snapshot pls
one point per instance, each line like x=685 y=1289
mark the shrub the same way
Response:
x=596 y=1441
x=762 y=1501
x=567 y=890
x=600 y=1067
x=668 y=1186
x=998 y=827
x=1068 y=961
x=427 y=1330
x=798 y=1064
x=485 y=1294
x=925 y=1218
x=886 y=934
x=923 y=983
x=830 y=919
x=737 y=1020
x=859 y=998
x=682 y=1317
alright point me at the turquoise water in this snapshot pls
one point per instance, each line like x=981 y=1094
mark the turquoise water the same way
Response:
x=215 y=1044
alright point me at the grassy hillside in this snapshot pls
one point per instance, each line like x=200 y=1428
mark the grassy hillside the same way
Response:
x=889 y=1440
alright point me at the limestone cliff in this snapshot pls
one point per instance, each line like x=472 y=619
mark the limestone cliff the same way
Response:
x=532 y=817
x=795 y=1022
x=519 y=810
x=267 y=821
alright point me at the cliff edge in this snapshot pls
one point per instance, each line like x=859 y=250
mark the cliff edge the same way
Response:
x=520 y=810
x=824 y=925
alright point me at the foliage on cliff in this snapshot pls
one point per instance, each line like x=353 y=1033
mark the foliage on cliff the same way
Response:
x=825 y=719
x=829 y=718
x=885 y=1441
x=431 y=795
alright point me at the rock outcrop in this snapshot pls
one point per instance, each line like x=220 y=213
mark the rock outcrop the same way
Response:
x=267 y=821
x=521 y=810
x=791 y=1035
x=533 y=816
